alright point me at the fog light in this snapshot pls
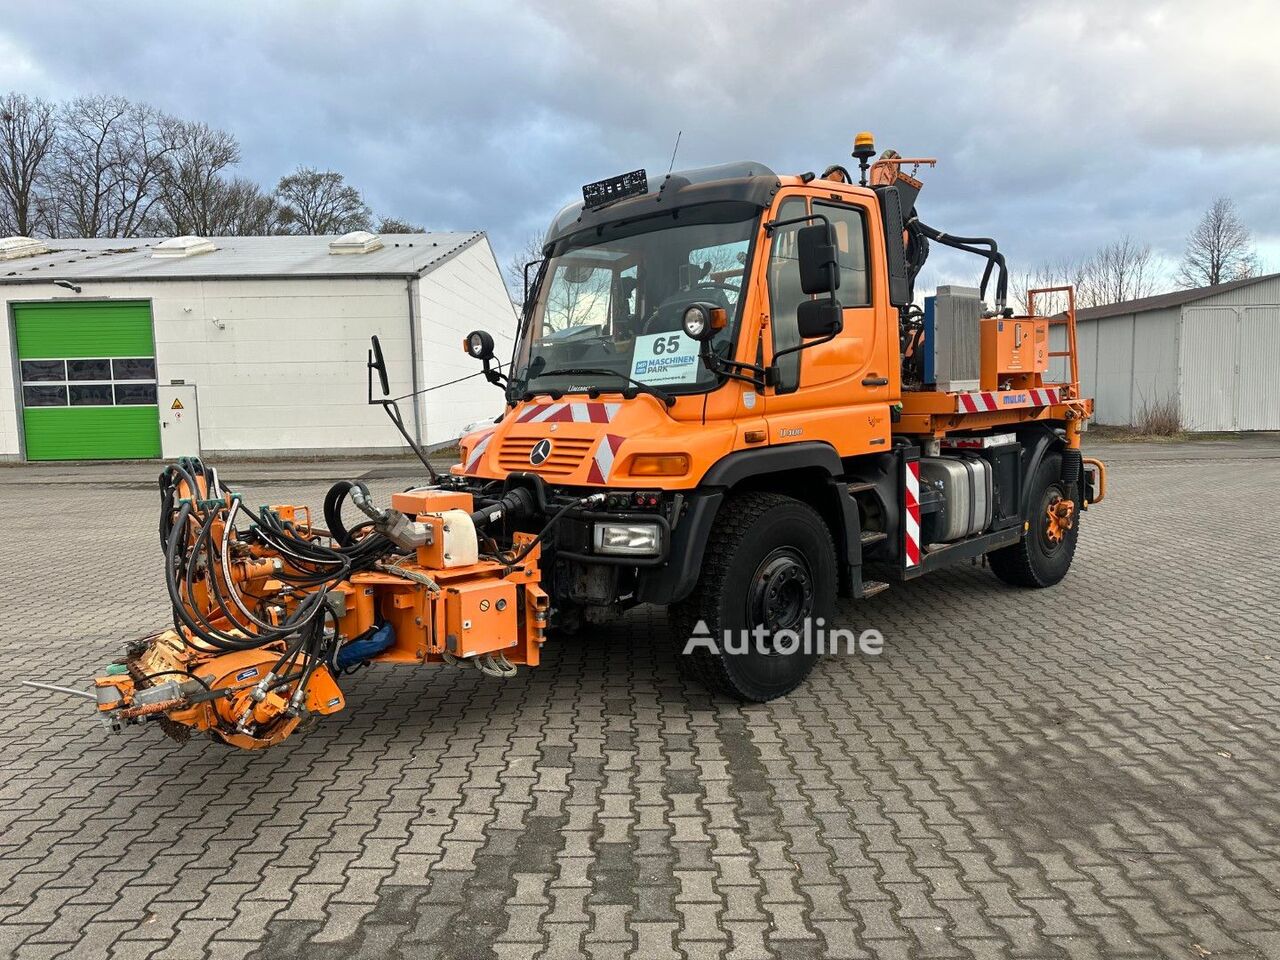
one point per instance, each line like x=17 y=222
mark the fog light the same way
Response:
x=628 y=539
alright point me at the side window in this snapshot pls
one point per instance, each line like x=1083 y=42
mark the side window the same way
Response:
x=851 y=251
x=785 y=293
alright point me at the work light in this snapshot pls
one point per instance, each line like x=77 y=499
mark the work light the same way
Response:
x=479 y=344
x=697 y=324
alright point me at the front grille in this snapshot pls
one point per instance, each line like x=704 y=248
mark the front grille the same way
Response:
x=567 y=453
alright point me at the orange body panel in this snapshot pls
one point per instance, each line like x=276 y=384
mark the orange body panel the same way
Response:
x=416 y=502
x=1014 y=350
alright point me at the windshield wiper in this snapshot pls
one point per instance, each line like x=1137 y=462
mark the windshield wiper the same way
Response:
x=639 y=386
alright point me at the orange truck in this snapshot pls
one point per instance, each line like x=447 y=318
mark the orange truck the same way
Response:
x=725 y=399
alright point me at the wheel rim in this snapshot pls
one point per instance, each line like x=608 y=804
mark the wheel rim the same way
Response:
x=781 y=594
x=1055 y=527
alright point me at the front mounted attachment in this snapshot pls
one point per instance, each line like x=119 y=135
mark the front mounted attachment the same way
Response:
x=270 y=609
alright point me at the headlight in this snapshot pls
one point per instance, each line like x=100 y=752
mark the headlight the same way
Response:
x=629 y=539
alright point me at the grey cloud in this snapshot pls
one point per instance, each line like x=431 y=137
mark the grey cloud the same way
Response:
x=1056 y=125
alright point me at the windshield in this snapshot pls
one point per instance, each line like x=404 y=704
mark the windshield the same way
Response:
x=613 y=300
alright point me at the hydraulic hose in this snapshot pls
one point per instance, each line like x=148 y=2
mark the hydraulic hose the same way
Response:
x=975 y=246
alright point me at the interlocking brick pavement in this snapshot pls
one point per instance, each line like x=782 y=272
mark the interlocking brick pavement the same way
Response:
x=1087 y=771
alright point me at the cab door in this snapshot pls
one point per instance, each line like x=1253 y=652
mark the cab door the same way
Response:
x=837 y=392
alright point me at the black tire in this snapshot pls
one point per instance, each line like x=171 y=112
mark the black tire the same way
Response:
x=1036 y=560
x=769 y=559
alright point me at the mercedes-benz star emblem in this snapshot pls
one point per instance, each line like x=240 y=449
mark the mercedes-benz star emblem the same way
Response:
x=541 y=450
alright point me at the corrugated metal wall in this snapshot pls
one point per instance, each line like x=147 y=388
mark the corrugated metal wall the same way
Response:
x=1129 y=362
x=1258 y=398
x=1155 y=361
x=1263 y=293
x=1230 y=359
x=1217 y=359
x=1210 y=344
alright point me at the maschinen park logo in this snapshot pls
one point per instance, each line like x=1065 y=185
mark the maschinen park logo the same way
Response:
x=812 y=637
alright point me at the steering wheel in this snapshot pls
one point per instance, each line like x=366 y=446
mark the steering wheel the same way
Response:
x=668 y=313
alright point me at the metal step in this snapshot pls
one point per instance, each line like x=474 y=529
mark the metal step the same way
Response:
x=871 y=587
x=872 y=537
x=860 y=487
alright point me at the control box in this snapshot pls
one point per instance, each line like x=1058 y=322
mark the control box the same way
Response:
x=1014 y=350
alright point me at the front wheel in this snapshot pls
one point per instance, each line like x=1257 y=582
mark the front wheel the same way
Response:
x=1043 y=556
x=769 y=564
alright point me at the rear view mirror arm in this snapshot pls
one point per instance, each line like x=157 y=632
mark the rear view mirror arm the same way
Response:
x=773 y=225
x=724 y=367
x=804 y=345
x=392 y=410
x=391 y=405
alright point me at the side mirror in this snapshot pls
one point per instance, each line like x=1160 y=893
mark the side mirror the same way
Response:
x=819 y=318
x=816 y=252
x=376 y=362
x=479 y=345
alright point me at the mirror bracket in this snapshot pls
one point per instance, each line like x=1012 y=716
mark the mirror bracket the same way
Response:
x=391 y=405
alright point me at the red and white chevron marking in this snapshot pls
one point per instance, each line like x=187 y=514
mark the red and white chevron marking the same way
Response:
x=602 y=462
x=477 y=452
x=989 y=401
x=576 y=412
x=911 y=514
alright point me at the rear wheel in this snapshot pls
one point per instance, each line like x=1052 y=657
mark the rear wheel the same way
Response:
x=1043 y=556
x=770 y=562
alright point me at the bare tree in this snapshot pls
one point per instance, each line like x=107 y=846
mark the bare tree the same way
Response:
x=1058 y=273
x=396 y=225
x=191 y=184
x=321 y=202
x=241 y=208
x=110 y=163
x=1122 y=270
x=28 y=131
x=1219 y=249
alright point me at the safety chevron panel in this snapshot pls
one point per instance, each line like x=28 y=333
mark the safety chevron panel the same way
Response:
x=988 y=401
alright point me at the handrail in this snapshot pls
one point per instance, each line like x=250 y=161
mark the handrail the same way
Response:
x=1069 y=318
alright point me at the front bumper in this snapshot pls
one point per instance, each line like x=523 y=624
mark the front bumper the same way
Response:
x=571 y=556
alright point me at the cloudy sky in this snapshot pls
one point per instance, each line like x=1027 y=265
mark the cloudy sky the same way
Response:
x=1058 y=126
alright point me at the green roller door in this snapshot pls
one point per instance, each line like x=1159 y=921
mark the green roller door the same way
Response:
x=88 y=380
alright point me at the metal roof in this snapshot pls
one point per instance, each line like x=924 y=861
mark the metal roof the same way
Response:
x=401 y=255
x=1162 y=300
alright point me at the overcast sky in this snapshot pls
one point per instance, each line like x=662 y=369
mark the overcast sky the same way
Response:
x=1057 y=126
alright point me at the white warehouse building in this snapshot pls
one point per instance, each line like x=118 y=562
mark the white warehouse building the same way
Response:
x=1209 y=353
x=256 y=346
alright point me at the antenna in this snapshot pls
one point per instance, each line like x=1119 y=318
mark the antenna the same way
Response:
x=674 y=150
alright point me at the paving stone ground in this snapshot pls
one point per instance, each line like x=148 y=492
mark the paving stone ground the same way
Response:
x=1086 y=771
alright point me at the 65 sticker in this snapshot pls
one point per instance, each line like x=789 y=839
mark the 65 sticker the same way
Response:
x=665 y=358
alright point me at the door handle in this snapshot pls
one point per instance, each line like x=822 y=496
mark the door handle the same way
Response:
x=875 y=381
